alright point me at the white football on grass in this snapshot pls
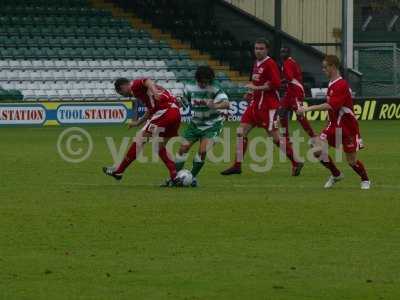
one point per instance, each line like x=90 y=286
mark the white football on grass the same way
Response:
x=185 y=177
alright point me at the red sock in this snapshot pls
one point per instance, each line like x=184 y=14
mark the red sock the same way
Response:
x=170 y=164
x=128 y=159
x=241 y=148
x=360 y=170
x=285 y=125
x=306 y=126
x=286 y=147
x=330 y=165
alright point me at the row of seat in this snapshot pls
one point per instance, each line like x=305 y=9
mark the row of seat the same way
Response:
x=91 y=53
x=57 y=85
x=51 y=3
x=86 y=31
x=87 y=94
x=90 y=92
x=172 y=64
x=96 y=93
x=184 y=64
x=38 y=10
x=80 y=41
x=78 y=95
x=88 y=21
x=152 y=65
x=85 y=74
x=77 y=84
x=107 y=83
x=76 y=90
x=98 y=74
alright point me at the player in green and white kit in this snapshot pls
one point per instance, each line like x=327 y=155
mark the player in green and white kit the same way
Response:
x=206 y=100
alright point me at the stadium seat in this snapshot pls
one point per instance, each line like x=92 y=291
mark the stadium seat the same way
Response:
x=68 y=50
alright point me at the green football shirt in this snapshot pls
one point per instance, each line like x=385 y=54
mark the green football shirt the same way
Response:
x=203 y=116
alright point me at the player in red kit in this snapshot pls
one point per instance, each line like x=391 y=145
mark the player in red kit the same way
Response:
x=294 y=93
x=161 y=120
x=342 y=128
x=262 y=109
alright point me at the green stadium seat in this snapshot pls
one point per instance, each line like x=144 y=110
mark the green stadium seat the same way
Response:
x=141 y=53
x=4 y=21
x=12 y=31
x=110 y=42
x=130 y=53
x=68 y=31
x=98 y=53
x=173 y=64
x=149 y=53
x=30 y=41
x=33 y=31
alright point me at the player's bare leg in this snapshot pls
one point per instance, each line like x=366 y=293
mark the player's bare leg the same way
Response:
x=320 y=148
x=198 y=162
x=285 y=146
x=169 y=163
x=359 y=168
x=284 y=121
x=241 y=146
x=133 y=151
x=306 y=125
x=182 y=155
x=167 y=158
x=199 y=159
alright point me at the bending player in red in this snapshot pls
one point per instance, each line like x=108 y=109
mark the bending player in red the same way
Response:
x=342 y=124
x=294 y=94
x=262 y=109
x=162 y=120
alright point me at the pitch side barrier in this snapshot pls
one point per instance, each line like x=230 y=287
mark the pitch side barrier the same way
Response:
x=58 y=113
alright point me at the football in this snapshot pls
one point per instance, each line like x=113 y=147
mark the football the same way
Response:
x=185 y=177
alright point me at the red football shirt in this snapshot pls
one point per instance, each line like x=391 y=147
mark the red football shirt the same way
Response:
x=141 y=92
x=340 y=99
x=266 y=71
x=293 y=74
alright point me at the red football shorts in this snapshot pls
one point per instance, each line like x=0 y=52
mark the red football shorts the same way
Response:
x=348 y=136
x=260 y=117
x=164 y=122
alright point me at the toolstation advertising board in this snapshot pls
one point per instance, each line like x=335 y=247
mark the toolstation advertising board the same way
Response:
x=119 y=112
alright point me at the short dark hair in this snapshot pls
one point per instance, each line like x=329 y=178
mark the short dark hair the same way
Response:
x=332 y=60
x=120 y=82
x=263 y=41
x=205 y=73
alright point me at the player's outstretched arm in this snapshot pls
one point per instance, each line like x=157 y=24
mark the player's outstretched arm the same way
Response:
x=303 y=109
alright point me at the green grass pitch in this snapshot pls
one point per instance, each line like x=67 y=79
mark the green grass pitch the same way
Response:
x=69 y=232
